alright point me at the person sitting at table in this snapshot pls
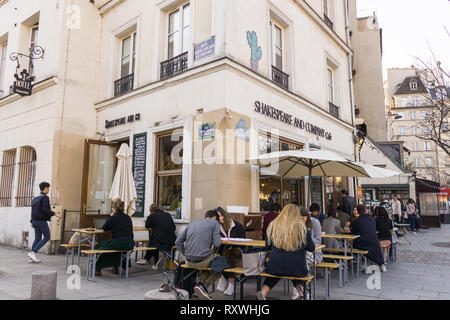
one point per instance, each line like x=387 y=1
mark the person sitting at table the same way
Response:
x=331 y=225
x=289 y=240
x=316 y=213
x=229 y=228
x=121 y=227
x=365 y=227
x=162 y=236
x=355 y=215
x=384 y=226
x=343 y=217
x=196 y=244
x=269 y=217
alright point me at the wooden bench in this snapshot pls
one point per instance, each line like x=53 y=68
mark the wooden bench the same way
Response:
x=70 y=251
x=240 y=271
x=359 y=255
x=343 y=260
x=93 y=256
x=327 y=266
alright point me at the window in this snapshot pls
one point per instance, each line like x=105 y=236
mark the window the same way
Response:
x=33 y=43
x=277 y=46
x=414 y=131
x=425 y=130
x=429 y=162
x=416 y=162
x=3 y=54
x=445 y=127
x=128 y=55
x=404 y=102
x=413 y=115
x=333 y=188
x=426 y=115
x=415 y=146
x=169 y=170
x=330 y=75
x=402 y=115
x=179 y=31
x=325 y=7
x=427 y=145
x=401 y=131
x=269 y=144
x=413 y=85
x=7 y=178
x=27 y=173
x=415 y=101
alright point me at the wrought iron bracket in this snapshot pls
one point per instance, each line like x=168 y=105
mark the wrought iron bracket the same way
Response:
x=35 y=52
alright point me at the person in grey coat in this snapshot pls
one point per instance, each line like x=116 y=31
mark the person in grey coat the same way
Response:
x=331 y=225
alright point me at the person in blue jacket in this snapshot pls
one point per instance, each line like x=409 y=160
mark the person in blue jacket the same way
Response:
x=41 y=212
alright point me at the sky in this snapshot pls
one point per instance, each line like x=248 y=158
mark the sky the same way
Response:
x=410 y=29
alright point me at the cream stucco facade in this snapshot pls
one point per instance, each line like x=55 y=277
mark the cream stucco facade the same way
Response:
x=75 y=93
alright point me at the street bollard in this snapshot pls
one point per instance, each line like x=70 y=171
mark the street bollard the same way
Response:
x=43 y=285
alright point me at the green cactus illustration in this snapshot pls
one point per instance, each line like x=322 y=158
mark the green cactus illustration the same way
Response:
x=252 y=40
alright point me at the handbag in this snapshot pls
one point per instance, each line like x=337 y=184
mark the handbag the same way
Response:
x=253 y=262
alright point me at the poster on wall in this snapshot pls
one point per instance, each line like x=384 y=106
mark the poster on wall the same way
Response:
x=207 y=131
x=139 y=170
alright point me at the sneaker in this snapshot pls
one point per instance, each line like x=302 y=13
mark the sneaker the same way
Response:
x=157 y=266
x=221 y=286
x=230 y=290
x=260 y=296
x=383 y=268
x=201 y=292
x=33 y=257
x=142 y=262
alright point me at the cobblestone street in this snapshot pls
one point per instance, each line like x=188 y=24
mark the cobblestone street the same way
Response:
x=422 y=271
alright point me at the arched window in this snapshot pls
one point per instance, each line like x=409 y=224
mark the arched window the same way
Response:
x=7 y=177
x=27 y=175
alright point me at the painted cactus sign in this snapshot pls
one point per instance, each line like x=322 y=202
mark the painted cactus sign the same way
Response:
x=256 y=51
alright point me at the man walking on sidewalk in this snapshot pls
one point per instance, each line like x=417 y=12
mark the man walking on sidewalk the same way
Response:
x=40 y=214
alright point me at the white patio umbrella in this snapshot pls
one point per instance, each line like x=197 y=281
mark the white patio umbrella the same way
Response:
x=377 y=172
x=311 y=163
x=123 y=187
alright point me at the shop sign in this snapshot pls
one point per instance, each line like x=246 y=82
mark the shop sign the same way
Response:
x=205 y=49
x=23 y=84
x=122 y=121
x=207 y=131
x=289 y=119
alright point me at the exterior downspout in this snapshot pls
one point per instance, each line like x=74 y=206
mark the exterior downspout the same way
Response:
x=350 y=71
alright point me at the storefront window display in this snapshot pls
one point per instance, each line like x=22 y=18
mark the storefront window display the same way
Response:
x=333 y=188
x=169 y=171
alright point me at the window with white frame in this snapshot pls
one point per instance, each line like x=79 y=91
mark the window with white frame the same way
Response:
x=128 y=55
x=402 y=131
x=401 y=115
x=33 y=43
x=416 y=162
x=414 y=130
x=425 y=115
x=179 y=33
x=425 y=130
x=413 y=115
x=429 y=162
x=427 y=145
x=415 y=146
x=331 y=84
x=413 y=85
x=277 y=45
x=404 y=102
x=3 y=54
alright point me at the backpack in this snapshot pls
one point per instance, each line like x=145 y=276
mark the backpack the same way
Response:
x=188 y=284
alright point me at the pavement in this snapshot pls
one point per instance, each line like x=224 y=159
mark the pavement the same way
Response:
x=421 y=272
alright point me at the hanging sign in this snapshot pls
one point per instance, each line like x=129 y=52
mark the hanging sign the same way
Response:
x=23 y=85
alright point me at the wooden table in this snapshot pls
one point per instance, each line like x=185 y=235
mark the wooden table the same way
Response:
x=88 y=235
x=345 y=238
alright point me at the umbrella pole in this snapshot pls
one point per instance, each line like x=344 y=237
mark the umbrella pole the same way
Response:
x=309 y=200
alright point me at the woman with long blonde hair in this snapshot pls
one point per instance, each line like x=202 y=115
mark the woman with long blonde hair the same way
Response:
x=289 y=239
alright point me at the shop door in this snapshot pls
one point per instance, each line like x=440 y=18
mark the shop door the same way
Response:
x=429 y=210
x=99 y=167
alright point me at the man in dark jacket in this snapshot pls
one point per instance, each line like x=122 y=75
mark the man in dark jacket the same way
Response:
x=162 y=236
x=40 y=213
x=348 y=202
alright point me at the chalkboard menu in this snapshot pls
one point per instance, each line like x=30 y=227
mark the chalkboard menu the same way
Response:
x=139 y=169
x=316 y=190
